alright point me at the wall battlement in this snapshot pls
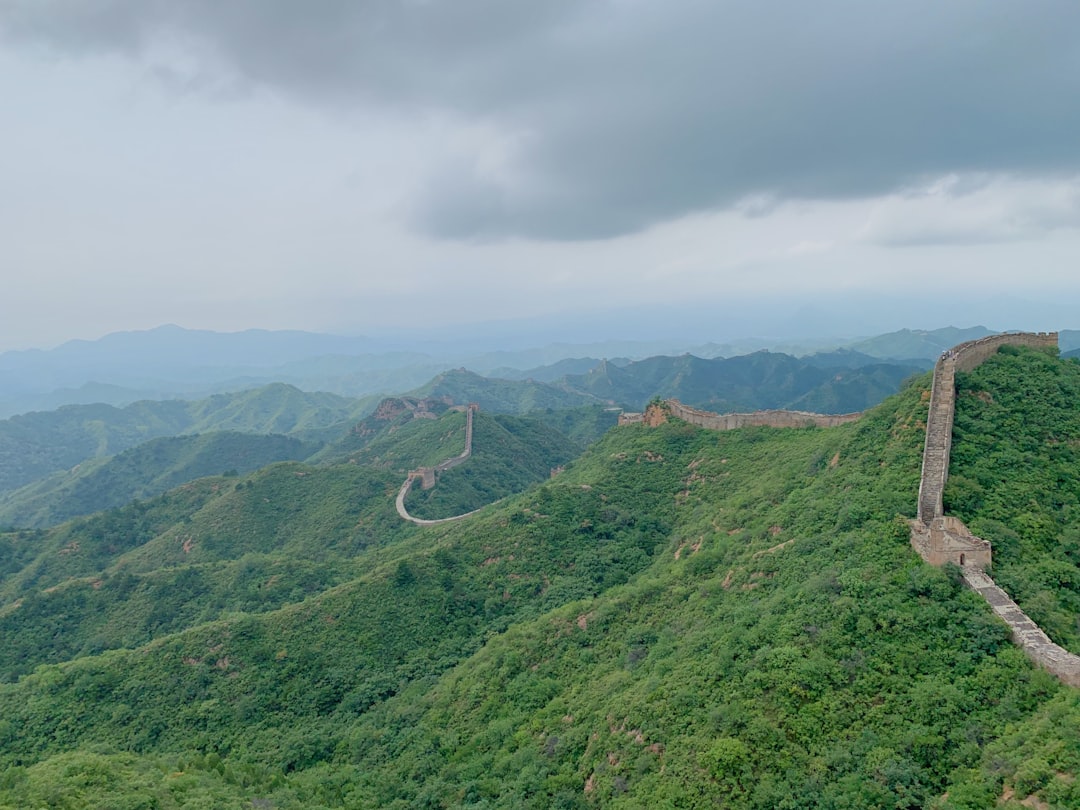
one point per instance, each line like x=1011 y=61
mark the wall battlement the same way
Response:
x=975 y=352
x=733 y=421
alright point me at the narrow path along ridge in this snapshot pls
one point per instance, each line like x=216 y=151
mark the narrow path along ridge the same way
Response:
x=940 y=538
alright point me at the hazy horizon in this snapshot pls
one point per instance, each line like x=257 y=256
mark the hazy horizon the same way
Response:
x=764 y=320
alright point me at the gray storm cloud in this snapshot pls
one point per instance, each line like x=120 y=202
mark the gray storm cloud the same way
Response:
x=623 y=114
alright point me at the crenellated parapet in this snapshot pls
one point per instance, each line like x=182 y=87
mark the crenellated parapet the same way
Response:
x=734 y=421
x=772 y=418
x=968 y=356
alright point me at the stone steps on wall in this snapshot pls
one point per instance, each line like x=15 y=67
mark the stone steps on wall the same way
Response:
x=1025 y=633
x=938 y=442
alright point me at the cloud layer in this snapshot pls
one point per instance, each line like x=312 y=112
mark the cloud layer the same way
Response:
x=597 y=119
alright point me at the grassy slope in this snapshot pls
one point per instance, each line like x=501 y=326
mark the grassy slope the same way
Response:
x=745 y=383
x=745 y=673
x=682 y=618
x=502 y=396
x=407 y=443
x=36 y=444
x=143 y=472
x=211 y=547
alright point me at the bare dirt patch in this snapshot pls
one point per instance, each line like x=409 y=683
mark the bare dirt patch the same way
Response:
x=774 y=549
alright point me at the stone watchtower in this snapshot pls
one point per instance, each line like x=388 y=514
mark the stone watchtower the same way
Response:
x=938 y=538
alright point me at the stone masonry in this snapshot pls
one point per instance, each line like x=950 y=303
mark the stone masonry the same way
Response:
x=426 y=475
x=939 y=538
x=732 y=421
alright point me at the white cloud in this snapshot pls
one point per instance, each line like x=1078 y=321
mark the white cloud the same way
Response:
x=249 y=164
x=958 y=210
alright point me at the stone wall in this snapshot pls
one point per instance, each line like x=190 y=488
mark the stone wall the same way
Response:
x=427 y=474
x=1027 y=635
x=778 y=418
x=940 y=538
x=450 y=463
x=975 y=352
x=947 y=539
x=732 y=421
x=937 y=448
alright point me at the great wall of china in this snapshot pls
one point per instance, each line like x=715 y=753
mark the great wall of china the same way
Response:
x=731 y=421
x=940 y=538
x=426 y=475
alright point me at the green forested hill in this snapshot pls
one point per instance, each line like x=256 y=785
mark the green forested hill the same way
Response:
x=1015 y=477
x=761 y=380
x=502 y=396
x=144 y=471
x=37 y=444
x=917 y=343
x=852 y=390
x=395 y=434
x=215 y=546
x=682 y=618
x=509 y=454
x=402 y=433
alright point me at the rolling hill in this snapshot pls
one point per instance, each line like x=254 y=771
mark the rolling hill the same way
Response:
x=682 y=618
x=37 y=444
x=502 y=396
x=925 y=344
x=508 y=454
x=762 y=380
x=143 y=471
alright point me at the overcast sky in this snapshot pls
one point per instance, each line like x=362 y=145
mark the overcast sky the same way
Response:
x=357 y=165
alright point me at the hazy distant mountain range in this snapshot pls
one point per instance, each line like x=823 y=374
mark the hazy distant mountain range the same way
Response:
x=171 y=362
x=80 y=458
x=57 y=463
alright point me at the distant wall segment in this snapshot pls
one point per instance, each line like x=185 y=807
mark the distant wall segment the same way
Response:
x=733 y=421
x=427 y=475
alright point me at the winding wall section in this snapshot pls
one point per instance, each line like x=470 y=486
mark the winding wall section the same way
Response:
x=940 y=538
x=426 y=475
